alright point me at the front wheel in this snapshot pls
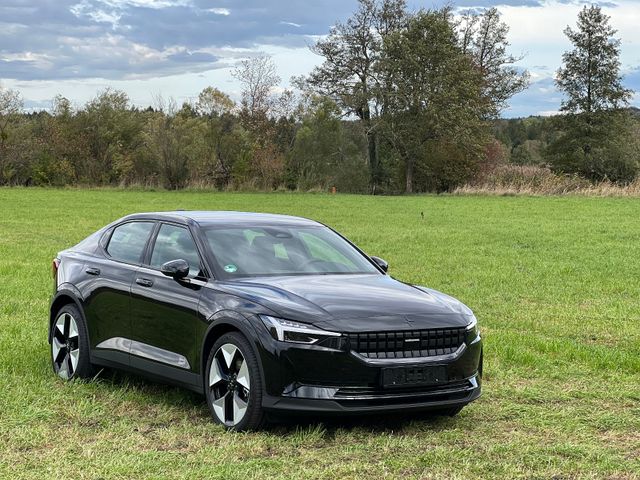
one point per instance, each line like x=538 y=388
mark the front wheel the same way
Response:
x=70 y=345
x=233 y=383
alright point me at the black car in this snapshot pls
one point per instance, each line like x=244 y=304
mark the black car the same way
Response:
x=261 y=313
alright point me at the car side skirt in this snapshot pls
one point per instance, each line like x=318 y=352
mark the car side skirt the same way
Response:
x=152 y=369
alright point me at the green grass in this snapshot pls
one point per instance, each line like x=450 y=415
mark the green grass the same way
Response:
x=554 y=282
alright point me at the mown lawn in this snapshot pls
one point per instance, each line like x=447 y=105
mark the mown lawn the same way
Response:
x=555 y=283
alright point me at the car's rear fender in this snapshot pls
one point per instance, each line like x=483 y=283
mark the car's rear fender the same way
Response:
x=66 y=294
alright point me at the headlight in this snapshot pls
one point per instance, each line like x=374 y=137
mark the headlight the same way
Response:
x=472 y=327
x=294 y=332
x=473 y=323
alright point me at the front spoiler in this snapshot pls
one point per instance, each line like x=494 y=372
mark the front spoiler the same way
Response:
x=331 y=400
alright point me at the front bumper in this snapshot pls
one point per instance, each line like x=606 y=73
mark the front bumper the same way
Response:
x=306 y=378
x=363 y=400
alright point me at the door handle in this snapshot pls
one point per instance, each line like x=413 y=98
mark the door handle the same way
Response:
x=93 y=271
x=144 y=282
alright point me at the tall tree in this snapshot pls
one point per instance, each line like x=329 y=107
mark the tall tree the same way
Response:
x=174 y=138
x=215 y=106
x=10 y=107
x=112 y=130
x=483 y=36
x=351 y=52
x=258 y=78
x=435 y=96
x=597 y=140
x=590 y=76
x=323 y=154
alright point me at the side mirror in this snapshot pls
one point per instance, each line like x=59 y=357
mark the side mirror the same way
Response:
x=175 y=268
x=381 y=263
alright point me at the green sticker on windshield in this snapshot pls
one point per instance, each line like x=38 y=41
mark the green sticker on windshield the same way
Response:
x=230 y=268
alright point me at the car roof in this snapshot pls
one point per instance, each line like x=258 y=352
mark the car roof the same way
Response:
x=221 y=217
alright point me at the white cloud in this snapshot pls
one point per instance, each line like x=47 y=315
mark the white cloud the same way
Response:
x=538 y=32
x=154 y=4
x=97 y=11
x=177 y=47
x=98 y=15
x=220 y=11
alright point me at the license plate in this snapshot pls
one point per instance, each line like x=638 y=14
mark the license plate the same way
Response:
x=413 y=376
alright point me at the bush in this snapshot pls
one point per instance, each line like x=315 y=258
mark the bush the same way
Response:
x=535 y=180
x=51 y=171
x=600 y=147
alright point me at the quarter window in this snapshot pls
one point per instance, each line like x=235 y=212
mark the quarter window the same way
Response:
x=173 y=243
x=128 y=241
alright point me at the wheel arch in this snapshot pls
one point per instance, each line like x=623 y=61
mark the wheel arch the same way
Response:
x=66 y=295
x=224 y=322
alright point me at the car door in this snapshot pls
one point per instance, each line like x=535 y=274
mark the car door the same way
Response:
x=107 y=290
x=164 y=310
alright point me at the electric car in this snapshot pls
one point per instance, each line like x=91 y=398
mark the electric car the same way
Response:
x=260 y=313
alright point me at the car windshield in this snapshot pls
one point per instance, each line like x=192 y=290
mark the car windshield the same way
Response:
x=260 y=251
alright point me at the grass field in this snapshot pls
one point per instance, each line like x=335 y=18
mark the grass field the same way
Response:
x=554 y=282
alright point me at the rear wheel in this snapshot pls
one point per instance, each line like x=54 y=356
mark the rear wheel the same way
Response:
x=233 y=383
x=70 y=345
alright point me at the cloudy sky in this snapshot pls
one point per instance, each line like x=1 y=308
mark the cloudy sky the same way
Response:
x=178 y=47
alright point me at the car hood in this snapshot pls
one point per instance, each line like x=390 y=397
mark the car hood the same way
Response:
x=368 y=302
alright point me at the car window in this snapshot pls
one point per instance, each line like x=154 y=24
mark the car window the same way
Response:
x=128 y=241
x=283 y=250
x=173 y=243
x=322 y=251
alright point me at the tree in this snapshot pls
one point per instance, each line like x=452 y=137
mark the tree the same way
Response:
x=216 y=108
x=175 y=140
x=435 y=100
x=10 y=107
x=348 y=74
x=64 y=150
x=483 y=36
x=590 y=77
x=597 y=140
x=323 y=154
x=214 y=103
x=113 y=131
x=258 y=78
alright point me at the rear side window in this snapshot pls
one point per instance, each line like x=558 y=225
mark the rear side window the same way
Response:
x=173 y=243
x=128 y=241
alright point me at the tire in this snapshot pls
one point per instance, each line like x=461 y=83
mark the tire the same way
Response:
x=233 y=384
x=70 y=344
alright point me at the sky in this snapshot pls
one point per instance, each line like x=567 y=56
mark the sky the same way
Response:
x=175 y=48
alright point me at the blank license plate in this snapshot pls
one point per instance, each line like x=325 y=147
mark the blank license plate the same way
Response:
x=413 y=376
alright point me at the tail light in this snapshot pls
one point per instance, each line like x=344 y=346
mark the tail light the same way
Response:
x=54 y=268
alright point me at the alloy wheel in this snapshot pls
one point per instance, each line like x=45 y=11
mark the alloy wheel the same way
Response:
x=230 y=384
x=65 y=346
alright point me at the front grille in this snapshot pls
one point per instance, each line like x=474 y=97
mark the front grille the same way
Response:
x=407 y=344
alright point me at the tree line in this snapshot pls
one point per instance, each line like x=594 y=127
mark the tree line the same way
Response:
x=401 y=102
